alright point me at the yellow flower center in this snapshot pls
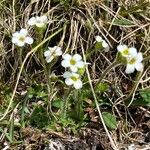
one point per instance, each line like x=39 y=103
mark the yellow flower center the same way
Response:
x=74 y=78
x=72 y=62
x=22 y=38
x=132 y=61
x=125 y=52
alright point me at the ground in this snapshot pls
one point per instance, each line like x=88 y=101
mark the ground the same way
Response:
x=102 y=103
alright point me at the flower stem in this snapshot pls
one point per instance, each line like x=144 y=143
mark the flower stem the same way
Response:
x=20 y=60
x=21 y=69
x=49 y=87
x=20 y=56
x=77 y=103
x=65 y=104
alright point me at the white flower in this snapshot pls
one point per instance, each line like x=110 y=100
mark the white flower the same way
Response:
x=134 y=62
x=52 y=52
x=72 y=78
x=39 y=21
x=125 y=51
x=73 y=62
x=99 y=39
x=20 y=38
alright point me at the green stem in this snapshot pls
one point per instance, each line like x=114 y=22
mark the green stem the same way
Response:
x=20 y=56
x=65 y=104
x=20 y=60
x=77 y=103
x=49 y=87
x=47 y=69
x=40 y=33
x=21 y=69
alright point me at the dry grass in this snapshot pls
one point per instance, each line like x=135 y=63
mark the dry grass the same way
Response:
x=117 y=22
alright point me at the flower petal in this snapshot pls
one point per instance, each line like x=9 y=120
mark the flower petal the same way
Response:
x=67 y=56
x=73 y=68
x=38 y=19
x=77 y=57
x=107 y=49
x=78 y=84
x=14 y=40
x=68 y=81
x=32 y=21
x=80 y=64
x=133 y=51
x=51 y=49
x=58 y=51
x=44 y=19
x=23 y=32
x=16 y=34
x=75 y=74
x=139 y=57
x=65 y=63
x=20 y=43
x=67 y=74
x=98 y=38
x=130 y=69
x=104 y=44
x=120 y=48
x=139 y=66
x=47 y=53
x=29 y=40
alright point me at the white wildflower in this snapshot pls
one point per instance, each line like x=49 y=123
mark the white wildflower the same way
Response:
x=100 y=40
x=21 y=37
x=125 y=51
x=52 y=52
x=73 y=62
x=72 y=78
x=39 y=21
x=134 y=62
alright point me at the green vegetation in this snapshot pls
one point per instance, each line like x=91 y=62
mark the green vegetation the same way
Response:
x=65 y=65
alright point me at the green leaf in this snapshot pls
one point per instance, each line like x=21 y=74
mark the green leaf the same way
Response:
x=144 y=99
x=81 y=71
x=26 y=110
x=102 y=87
x=123 y=22
x=57 y=103
x=139 y=102
x=145 y=94
x=89 y=24
x=39 y=117
x=110 y=120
